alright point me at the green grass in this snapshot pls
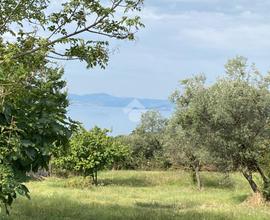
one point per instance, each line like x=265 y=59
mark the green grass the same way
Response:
x=138 y=195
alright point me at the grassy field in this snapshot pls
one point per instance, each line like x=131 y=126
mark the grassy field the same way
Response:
x=139 y=195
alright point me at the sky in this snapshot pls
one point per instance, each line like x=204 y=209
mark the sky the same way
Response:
x=181 y=38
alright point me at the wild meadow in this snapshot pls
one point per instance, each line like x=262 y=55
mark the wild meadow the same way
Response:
x=140 y=195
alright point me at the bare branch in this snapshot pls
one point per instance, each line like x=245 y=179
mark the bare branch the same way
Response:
x=61 y=58
x=118 y=36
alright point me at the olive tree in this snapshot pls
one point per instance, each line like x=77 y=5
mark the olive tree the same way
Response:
x=184 y=143
x=234 y=120
x=239 y=106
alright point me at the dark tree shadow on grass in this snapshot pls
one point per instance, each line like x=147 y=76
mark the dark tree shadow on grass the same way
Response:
x=175 y=206
x=240 y=199
x=217 y=182
x=130 y=182
x=86 y=183
x=61 y=208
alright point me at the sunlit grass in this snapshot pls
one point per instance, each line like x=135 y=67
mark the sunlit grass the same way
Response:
x=138 y=195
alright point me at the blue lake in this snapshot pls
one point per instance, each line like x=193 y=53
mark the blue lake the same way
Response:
x=119 y=120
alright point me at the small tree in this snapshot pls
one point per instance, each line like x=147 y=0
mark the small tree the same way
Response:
x=147 y=139
x=92 y=151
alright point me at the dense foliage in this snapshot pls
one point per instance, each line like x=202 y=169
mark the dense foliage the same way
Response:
x=34 y=33
x=231 y=119
x=33 y=121
x=184 y=145
x=146 y=142
x=90 y=152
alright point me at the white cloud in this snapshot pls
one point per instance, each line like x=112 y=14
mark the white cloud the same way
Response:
x=213 y=30
x=245 y=37
x=183 y=37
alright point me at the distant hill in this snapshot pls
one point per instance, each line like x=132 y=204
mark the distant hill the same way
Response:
x=121 y=114
x=105 y=100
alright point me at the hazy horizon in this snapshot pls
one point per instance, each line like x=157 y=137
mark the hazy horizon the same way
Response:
x=120 y=114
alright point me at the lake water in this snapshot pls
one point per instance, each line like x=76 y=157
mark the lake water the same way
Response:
x=119 y=120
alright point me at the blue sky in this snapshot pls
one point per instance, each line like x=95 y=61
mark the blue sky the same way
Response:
x=181 y=38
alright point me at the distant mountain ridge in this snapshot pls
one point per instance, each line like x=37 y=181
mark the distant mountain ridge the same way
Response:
x=106 y=100
x=120 y=114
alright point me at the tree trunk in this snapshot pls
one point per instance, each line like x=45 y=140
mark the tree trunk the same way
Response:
x=193 y=176
x=198 y=177
x=50 y=169
x=250 y=180
x=96 y=182
x=196 y=174
x=264 y=177
x=94 y=178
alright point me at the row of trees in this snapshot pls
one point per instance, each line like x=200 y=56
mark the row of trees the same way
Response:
x=225 y=125
x=229 y=121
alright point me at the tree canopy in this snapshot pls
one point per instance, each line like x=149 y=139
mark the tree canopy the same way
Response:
x=33 y=121
x=184 y=144
x=231 y=117
x=71 y=29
